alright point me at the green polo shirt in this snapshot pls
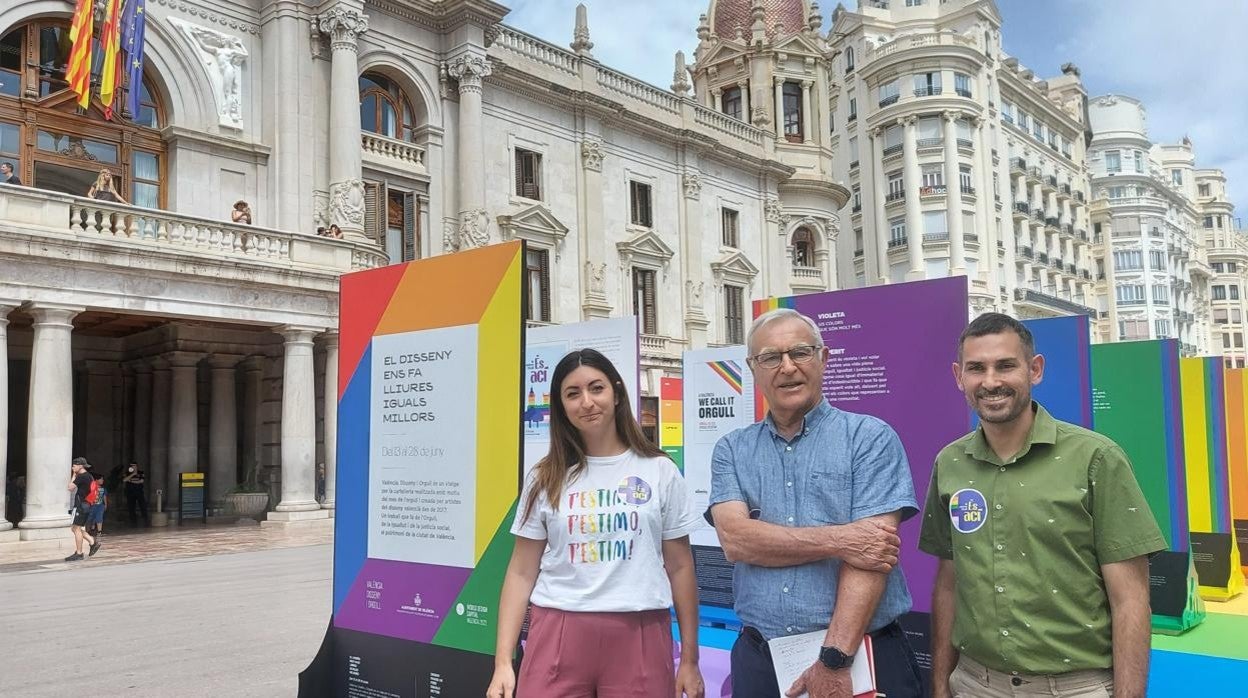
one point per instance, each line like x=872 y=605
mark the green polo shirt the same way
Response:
x=1028 y=537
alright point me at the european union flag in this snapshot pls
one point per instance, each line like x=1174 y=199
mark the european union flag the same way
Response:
x=133 y=26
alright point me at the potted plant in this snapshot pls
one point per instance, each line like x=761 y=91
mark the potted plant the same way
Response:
x=248 y=500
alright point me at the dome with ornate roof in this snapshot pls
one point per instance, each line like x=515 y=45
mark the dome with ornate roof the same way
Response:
x=727 y=15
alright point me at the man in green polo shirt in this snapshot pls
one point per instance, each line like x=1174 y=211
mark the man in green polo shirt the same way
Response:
x=1043 y=537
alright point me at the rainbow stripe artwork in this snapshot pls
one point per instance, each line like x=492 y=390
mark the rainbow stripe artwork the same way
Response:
x=1136 y=402
x=671 y=420
x=1212 y=534
x=730 y=371
x=1237 y=456
x=430 y=405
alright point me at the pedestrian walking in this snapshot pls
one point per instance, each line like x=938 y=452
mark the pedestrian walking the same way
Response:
x=80 y=484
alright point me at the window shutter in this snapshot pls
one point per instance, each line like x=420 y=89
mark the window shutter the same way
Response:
x=545 y=271
x=519 y=157
x=651 y=304
x=374 y=202
x=634 y=194
x=410 y=247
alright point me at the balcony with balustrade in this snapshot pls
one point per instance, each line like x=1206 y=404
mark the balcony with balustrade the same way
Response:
x=135 y=259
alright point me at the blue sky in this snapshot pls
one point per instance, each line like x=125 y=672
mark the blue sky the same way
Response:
x=1187 y=61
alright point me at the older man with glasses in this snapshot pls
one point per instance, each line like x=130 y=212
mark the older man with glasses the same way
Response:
x=807 y=504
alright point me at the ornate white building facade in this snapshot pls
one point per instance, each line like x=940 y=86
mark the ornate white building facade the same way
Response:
x=959 y=160
x=1154 y=257
x=157 y=328
x=1228 y=259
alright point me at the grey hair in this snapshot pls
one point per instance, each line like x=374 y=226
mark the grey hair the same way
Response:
x=780 y=314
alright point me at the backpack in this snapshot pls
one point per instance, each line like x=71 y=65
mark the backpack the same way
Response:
x=93 y=496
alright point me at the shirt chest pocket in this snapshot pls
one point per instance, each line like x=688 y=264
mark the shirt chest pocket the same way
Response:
x=828 y=496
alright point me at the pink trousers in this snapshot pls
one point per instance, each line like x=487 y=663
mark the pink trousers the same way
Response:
x=597 y=655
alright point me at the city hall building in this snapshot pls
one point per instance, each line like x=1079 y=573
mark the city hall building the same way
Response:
x=778 y=161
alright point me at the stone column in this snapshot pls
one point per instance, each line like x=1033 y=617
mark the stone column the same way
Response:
x=914 y=213
x=99 y=414
x=331 y=418
x=142 y=413
x=879 y=181
x=744 y=86
x=344 y=24
x=717 y=96
x=985 y=209
x=808 y=127
x=693 y=273
x=158 y=468
x=953 y=198
x=183 y=422
x=5 y=308
x=253 y=377
x=222 y=428
x=779 y=108
x=298 y=429
x=470 y=70
x=595 y=303
x=50 y=421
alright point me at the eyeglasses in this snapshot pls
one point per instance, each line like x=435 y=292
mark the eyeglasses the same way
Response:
x=799 y=354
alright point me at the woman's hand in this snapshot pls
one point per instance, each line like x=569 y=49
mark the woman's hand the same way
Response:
x=503 y=685
x=689 y=680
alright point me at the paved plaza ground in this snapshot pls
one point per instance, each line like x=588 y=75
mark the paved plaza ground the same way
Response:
x=188 y=615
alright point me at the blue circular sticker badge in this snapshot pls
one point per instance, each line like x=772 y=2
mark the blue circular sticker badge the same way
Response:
x=968 y=510
x=634 y=490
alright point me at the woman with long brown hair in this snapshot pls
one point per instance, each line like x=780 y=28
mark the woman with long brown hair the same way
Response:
x=601 y=552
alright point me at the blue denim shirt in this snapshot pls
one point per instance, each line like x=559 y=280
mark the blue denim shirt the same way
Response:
x=839 y=468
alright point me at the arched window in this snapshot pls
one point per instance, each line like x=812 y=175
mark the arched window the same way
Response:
x=55 y=145
x=384 y=109
x=849 y=59
x=803 y=248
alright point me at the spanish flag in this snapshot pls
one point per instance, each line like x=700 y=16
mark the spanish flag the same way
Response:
x=79 y=71
x=110 y=42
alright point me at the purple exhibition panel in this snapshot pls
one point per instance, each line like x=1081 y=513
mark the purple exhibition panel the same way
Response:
x=892 y=349
x=405 y=600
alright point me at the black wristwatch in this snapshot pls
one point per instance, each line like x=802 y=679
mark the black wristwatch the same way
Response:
x=835 y=659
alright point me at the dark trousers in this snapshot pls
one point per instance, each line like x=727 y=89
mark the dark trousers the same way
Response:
x=896 y=671
x=135 y=499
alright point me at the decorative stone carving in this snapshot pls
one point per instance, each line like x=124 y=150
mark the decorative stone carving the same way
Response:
x=448 y=236
x=222 y=56
x=491 y=34
x=680 y=76
x=760 y=117
x=580 y=34
x=694 y=290
x=591 y=154
x=596 y=276
x=693 y=185
x=474 y=230
x=346 y=203
x=832 y=228
x=320 y=209
x=771 y=208
x=344 y=25
x=1107 y=101
x=469 y=70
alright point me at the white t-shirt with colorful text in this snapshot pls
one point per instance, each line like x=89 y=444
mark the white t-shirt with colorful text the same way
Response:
x=604 y=543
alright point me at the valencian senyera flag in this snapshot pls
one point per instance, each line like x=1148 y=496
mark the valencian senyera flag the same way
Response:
x=110 y=42
x=133 y=26
x=78 y=72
